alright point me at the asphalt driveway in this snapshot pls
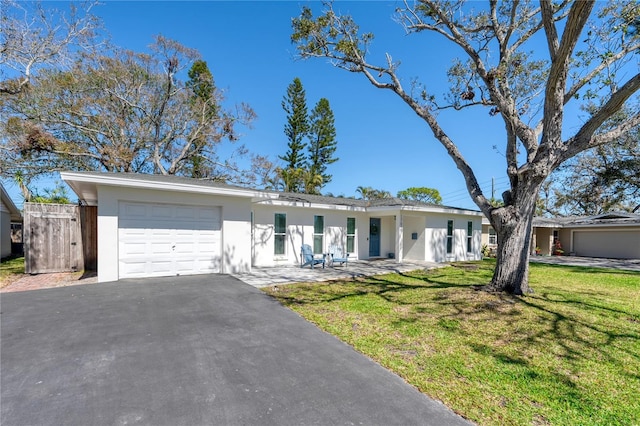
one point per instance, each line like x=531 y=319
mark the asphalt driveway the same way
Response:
x=192 y=350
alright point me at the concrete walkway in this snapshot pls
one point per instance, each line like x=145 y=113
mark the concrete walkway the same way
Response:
x=589 y=262
x=263 y=277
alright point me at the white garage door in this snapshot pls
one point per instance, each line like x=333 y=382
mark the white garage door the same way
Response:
x=623 y=244
x=157 y=240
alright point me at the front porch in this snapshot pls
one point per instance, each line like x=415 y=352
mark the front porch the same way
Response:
x=267 y=276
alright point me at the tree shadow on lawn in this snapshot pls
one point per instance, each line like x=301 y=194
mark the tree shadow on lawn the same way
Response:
x=381 y=285
x=571 y=329
x=586 y=269
x=575 y=337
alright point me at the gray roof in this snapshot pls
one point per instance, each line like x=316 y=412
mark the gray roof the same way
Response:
x=284 y=196
x=611 y=218
x=353 y=202
x=319 y=199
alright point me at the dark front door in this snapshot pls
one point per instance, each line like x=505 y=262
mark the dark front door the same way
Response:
x=374 y=237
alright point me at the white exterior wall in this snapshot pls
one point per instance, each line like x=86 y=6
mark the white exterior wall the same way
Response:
x=414 y=249
x=236 y=225
x=300 y=231
x=436 y=238
x=388 y=236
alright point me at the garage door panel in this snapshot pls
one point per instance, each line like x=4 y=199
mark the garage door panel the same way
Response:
x=184 y=248
x=162 y=267
x=132 y=270
x=161 y=240
x=160 y=248
x=133 y=249
x=208 y=248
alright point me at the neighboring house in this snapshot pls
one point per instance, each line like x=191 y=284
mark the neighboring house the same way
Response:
x=610 y=235
x=9 y=217
x=153 y=225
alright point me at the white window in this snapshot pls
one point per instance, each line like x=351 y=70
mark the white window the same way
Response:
x=492 y=236
x=318 y=234
x=469 y=237
x=449 y=236
x=351 y=235
x=280 y=233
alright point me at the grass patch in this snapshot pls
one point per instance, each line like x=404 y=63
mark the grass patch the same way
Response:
x=568 y=354
x=11 y=270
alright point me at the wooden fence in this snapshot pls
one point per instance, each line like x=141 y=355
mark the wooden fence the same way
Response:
x=60 y=238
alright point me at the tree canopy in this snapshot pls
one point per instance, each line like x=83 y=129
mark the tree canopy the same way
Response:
x=599 y=180
x=589 y=57
x=311 y=143
x=34 y=38
x=423 y=194
x=322 y=144
x=122 y=111
x=369 y=193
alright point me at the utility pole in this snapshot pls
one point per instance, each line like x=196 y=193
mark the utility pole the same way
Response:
x=493 y=191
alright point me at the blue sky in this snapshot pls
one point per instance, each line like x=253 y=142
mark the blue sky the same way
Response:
x=381 y=142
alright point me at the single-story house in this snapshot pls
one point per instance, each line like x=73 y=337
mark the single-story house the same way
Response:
x=610 y=235
x=153 y=225
x=9 y=214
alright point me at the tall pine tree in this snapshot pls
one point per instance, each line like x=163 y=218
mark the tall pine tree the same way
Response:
x=296 y=129
x=202 y=99
x=322 y=146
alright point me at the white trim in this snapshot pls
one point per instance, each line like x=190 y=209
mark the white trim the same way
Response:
x=114 y=180
x=425 y=209
x=306 y=205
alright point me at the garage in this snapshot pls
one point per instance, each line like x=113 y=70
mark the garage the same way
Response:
x=157 y=239
x=615 y=244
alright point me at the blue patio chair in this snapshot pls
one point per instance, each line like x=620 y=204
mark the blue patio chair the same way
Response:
x=338 y=256
x=307 y=257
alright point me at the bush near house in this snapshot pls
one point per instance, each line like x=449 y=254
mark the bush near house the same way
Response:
x=568 y=354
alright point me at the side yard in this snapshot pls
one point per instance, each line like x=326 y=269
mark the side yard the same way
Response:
x=13 y=277
x=11 y=270
x=568 y=354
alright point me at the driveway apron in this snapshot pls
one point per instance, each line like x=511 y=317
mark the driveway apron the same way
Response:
x=191 y=350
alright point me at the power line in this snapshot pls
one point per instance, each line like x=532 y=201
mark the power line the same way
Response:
x=483 y=185
x=500 y=185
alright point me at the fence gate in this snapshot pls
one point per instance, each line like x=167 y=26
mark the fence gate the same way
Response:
x=55 y=239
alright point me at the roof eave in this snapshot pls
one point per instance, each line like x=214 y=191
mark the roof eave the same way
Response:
x=85 y=186
x=14 y=211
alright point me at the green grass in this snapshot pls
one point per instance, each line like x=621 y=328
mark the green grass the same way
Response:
x=567 y=354
x=10 y=270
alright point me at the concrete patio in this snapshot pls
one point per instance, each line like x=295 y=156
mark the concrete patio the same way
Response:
x=263 y=277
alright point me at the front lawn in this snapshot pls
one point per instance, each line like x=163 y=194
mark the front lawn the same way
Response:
x=568 y=354
x=11 y=270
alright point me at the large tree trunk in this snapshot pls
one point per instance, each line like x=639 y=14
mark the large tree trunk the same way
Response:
x=513 y=226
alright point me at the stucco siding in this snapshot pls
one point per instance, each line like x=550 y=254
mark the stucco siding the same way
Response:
x=544 y=240
x=436 y=238
x=414 y=226
x=236 y=226
x=300 y=231
x=388 y=236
